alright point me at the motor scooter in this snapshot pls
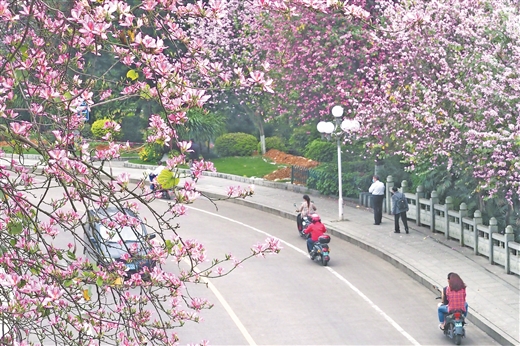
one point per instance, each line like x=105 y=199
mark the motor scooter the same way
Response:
x=453 y=323
x=320 y=251
x=154 y=186
x=305 y=221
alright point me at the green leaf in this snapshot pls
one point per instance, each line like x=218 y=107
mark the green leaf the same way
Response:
x=67 y=283
x=167 y=179
x=132 y=74
x=99 y=281
x=23 y=50
x=71 y=255
x=15 y=228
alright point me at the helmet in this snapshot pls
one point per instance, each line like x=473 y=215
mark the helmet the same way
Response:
x=315 y=218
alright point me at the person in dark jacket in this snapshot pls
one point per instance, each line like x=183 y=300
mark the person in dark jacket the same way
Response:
x=399 y=209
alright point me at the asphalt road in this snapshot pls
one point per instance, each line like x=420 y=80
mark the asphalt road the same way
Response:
x=287 y=299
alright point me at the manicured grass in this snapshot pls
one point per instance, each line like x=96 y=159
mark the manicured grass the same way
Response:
x=253 y=166
x=141 y=162
x=9 y=150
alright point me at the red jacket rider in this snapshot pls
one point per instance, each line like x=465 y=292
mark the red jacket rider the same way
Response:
x=316 y=229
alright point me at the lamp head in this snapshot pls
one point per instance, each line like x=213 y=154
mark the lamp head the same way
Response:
x=325 y=127
x=337 y=111
x=349 y=125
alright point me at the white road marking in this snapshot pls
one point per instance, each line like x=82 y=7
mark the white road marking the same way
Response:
x=335 y=273
x=229 y=310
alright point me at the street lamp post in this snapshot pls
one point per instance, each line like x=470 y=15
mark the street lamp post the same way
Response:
x=329 y=129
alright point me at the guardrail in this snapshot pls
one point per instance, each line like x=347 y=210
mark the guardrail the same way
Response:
x=500 y=249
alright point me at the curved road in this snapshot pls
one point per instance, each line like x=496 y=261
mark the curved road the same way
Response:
x=287 y=299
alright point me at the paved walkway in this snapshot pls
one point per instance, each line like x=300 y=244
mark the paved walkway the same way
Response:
x=493 y=296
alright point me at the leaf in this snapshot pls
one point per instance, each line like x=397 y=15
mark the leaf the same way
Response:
x=15 y=228
x=167 y=179
x=132 y=74
x=71 y=255
x=99 y=281
x=67 y=283
x=86 y=294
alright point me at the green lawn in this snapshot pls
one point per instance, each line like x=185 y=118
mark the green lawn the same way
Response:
x=253 y=166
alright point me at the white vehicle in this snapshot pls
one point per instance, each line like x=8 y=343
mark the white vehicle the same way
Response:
x=9 y=334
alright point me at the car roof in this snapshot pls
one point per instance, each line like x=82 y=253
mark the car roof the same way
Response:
x=110 y=211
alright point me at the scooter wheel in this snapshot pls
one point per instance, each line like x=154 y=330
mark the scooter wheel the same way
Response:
x=457 y=339
x=325 y=260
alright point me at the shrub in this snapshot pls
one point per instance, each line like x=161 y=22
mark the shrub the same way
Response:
x=151 y=152
x=301 y=137
x=86 y=131
x=99 y=131
x=272 y=143
x=355 y=174
x=236 y=144
x=132 y=127
x=321 y=151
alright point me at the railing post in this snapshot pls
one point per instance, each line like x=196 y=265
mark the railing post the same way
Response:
x=388 y=195
x=493 y=228
x=509 y=236
x=404 y=186
x=448 y=205
x=292 y=174
x=418 y=194
x=434 y=199
x=463 y=212
x=477 y=220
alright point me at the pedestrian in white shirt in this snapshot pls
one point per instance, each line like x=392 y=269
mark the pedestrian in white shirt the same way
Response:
x=377 y=189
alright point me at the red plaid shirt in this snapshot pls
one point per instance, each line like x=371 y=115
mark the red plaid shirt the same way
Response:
x=456 y=299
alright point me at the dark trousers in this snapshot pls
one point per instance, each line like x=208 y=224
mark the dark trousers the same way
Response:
x=310 y=244
x=377 y=201
x=396 y=221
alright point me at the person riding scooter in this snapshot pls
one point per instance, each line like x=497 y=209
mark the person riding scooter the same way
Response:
x=453 y=298
x=316 y=229
x=304 y=211
x=154 y=185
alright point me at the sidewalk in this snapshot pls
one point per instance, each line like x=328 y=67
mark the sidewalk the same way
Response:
x=493 y=296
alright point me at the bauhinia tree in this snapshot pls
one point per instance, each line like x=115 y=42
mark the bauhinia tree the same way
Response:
x=442 y=88
x=434 y=81
x=50 y=292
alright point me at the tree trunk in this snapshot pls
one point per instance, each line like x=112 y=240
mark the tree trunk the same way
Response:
x=378 y=168
x=260 y=122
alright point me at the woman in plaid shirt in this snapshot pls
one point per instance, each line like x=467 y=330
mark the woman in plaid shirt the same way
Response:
x=453 y=298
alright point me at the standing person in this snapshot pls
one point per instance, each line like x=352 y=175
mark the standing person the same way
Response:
x=194 y=155
x=453 y=297
x=316 y=229
x=377 y=189
x=305 y=210
x=399 y=209
x=195 y=150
